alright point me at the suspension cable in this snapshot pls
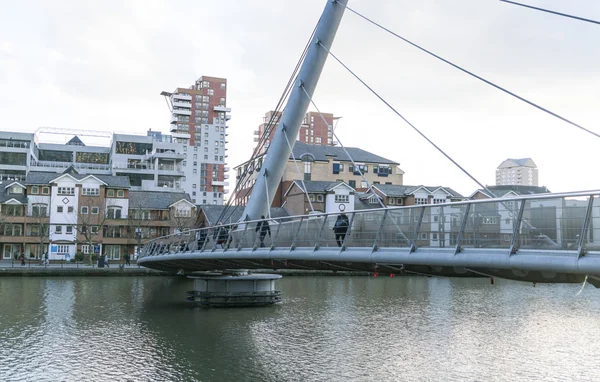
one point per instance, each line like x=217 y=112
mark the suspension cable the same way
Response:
x=550 y=11
x=485 y=188
x=343 y=148
x=300 y=176
x=475 y=75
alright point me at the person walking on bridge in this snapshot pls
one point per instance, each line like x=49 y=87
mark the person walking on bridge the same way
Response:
x=340 y=228
x=262 y=228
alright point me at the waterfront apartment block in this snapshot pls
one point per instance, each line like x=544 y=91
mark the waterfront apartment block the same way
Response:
x=324 y=163
x=70 y=213
x=521 y=172
x=315 y=130
x=152 y=162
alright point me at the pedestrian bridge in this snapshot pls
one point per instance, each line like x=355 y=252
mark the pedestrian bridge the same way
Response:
x=540 y=238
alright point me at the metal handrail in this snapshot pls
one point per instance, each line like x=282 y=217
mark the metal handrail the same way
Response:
x=469 y=226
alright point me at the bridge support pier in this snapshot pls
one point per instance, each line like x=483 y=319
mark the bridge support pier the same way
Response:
x=233 y=289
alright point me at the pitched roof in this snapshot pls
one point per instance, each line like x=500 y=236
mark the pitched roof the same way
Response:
x=402 y=190
x=500 y=191
x=324 y=153
x=46 y=177
x=155 y=200
x=313 y=186
x=213 y=213
x=520 y=162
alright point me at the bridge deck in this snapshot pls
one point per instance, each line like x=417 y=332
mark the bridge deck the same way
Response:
x=553 y=238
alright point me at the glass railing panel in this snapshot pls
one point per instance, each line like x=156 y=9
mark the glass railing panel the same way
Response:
x=482 y=229
x=552 y=223
x=395 y=231
x=308 y=235
x=364 y=228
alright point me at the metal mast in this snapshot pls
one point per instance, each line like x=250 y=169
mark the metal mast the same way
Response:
x=279 y=151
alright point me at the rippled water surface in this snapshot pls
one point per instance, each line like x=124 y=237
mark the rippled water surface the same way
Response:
x=327 y=329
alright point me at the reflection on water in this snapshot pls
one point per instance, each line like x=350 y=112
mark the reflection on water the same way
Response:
x=328 y=328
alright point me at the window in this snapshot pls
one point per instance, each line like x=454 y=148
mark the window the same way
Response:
x=489 y=220
x=183 y=213
x=110 y=193
x=439 y=201
x=90 y=191
x=38 y=210
x=112 y=231
x=66 y=190
x=342 y=198
x=352 y=183
x=70 y=209
x=113 y=252
x=69 y=229
x=420 y=200
x=59 y=209
x=58 y=229
x=85 y=249
x=222 y=85
x=399 y=202
x=62 y=249
x=391 y=202
x=45 y=190
x=424 y=236
x=113 y=213
x=434 y=236
x=84 y=210
x=319 y=197
x=120 y=193
x=35 y=190
x=94 y=229
x=95 y=210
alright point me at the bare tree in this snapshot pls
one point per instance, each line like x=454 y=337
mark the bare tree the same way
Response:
x=183 y=220
x=39 y=225
x=92 y=218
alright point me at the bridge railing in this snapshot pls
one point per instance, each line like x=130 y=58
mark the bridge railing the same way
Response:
x=568 y=221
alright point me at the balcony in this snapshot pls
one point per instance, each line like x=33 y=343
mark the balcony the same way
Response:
x=226 y=168
x=182 y=111
x=177 y=103
x=182 y=96
x=222 y=108
x=219 y=183
x=173 y=119
x=79 y=166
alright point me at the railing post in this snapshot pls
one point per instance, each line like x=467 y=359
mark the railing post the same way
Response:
x=293 y=246
x=514 y=246
x=413 y=247
x=320 y=237
x=581 y=248
x=374 y=248
x=461 y=232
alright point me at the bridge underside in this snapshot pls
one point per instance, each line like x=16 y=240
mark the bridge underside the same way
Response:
x=533 y=266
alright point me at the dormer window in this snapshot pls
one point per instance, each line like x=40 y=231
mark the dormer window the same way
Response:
x=15 y=190
x=120 y=193
x=110 y=193
x=35 y=190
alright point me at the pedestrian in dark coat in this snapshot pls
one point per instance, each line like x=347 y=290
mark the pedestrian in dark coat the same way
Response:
x=263 y=228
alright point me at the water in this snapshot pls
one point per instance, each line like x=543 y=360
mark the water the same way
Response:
x=327 y=329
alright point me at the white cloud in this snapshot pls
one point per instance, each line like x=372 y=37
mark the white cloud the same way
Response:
x=101 y=65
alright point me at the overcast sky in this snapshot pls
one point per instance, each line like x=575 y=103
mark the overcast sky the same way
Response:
x=100 y=65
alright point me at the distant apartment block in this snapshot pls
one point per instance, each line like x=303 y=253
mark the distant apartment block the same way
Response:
x=314 y=130
x=200 y=112
x=517 y=172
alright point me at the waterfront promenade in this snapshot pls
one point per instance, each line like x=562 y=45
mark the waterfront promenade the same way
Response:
x=33 y=268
